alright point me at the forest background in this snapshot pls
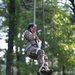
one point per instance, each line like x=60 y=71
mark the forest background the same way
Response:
x=55 y=21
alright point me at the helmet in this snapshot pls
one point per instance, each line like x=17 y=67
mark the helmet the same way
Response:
x=31 y=25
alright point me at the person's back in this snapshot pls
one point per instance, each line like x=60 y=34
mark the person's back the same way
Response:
x=30 y=42
x=29 y=39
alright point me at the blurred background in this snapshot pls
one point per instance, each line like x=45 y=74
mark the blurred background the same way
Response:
x=55 y=21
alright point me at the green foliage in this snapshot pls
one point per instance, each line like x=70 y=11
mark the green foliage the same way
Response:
x=59 y=34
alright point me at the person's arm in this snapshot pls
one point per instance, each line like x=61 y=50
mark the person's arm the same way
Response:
x=37 y=38
x=29 y=36
x=39 y=42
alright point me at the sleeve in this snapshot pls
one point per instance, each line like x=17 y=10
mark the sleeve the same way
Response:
x=28 y=35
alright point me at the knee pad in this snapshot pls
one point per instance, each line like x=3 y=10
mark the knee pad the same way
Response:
x=41 y=52
x=46 y=58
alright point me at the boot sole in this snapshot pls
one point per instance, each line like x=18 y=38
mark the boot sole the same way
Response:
x=47 y=72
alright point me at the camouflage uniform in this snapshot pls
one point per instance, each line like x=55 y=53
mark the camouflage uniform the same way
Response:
x=31 y=47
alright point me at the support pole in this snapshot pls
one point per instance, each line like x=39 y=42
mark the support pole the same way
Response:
x=43 y=20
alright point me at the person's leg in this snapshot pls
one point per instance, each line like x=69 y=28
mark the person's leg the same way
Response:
x=43 y=63
x=46 y=61
x=31 y=52
x=40 y=57
x=42 y=60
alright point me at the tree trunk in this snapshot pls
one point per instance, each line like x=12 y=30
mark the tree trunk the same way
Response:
x=63 y=70
x=73 y=9
x=43 y=22
x=73 y=5
x=18 y=61
x=11 y=11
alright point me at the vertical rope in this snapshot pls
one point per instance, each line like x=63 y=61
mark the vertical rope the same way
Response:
x=34 y=11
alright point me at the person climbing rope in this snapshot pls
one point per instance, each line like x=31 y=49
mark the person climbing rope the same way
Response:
x=33 y=48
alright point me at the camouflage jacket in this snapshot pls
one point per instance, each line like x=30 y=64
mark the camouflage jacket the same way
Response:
x=29 y=40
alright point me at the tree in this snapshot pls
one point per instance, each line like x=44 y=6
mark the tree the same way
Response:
x=11 y=11
x=72 y=6
x=59 y=34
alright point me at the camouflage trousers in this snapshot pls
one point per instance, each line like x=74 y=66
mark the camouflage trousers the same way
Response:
x=41 y=57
